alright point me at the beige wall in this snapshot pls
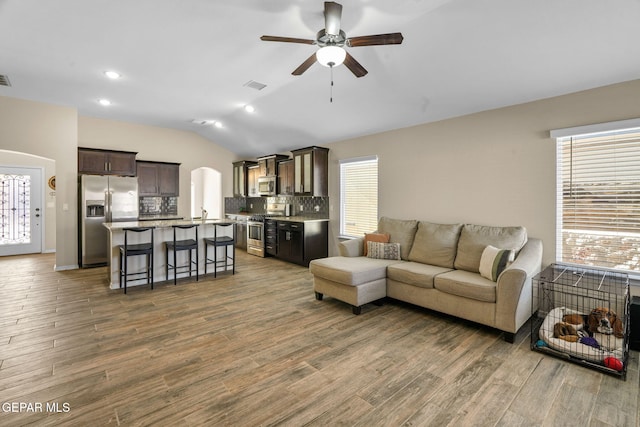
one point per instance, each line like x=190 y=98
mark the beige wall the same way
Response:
x=55 y=132
x=495 y=167
x=48 y=131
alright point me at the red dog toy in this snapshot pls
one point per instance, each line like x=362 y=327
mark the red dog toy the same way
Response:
x=613 y=363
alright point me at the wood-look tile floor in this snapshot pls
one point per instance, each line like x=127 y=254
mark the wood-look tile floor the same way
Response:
x=256 y=348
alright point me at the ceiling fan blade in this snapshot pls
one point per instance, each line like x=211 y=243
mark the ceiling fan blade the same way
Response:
x=354 y=66
x=378 y=39
x=286 y=40
x=332 y=17
x=305 y=65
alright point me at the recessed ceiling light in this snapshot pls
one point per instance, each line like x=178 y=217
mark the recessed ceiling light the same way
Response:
x=104 y=102
x=112 y=74
x=249 y=108
x=218 y=125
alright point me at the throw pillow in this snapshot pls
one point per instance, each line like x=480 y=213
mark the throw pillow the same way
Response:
x=383 y=250
x=375 y=237
x=493 y=262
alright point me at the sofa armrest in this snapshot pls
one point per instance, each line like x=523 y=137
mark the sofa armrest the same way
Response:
x=352 y=247
x=514 y=287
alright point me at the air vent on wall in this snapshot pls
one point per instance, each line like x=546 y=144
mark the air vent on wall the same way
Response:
x=254 y=85
x=4 y=80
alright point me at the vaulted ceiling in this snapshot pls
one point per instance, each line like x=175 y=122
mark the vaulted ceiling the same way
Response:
x=185 y=60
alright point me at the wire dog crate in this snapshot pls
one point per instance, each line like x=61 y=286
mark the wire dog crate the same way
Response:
x=581 y=314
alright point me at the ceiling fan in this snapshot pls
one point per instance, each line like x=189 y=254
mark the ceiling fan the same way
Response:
x=332 y=41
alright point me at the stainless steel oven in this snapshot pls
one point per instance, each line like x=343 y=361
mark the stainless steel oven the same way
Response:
x=255 y=237
x=256 y=232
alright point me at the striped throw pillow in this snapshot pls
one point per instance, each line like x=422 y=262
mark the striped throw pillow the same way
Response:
x=493 y=262
x=383 y=250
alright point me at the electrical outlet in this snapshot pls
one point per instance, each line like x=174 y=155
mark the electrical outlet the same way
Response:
x=250 y=205
x=316 y=208
x=301 y=208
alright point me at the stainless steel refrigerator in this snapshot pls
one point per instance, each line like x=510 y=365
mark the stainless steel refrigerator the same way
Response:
x=103 y=199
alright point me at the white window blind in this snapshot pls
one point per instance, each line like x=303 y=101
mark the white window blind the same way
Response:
x=598 y=199
x=358 y=196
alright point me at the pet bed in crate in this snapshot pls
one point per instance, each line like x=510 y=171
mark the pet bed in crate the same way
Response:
x=609 y=345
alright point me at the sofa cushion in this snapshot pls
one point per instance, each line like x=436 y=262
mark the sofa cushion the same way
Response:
x=375 y=237
x=415 y=273
x=435 y=244
x=466 y=284
x=474 y=238
x=352 y=271
x=380 y=250
x=400 y=231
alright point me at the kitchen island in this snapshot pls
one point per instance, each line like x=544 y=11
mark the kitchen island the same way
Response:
x=163 y=232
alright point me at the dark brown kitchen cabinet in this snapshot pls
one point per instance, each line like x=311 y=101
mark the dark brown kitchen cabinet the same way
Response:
x=311 y=166
x=302 y=242
x=271 y=237
x=290 y=241
x=252 y=181
x=158 y=178
x=93 y=161
x=269 y=164
x=286 y=178
x=240 y=178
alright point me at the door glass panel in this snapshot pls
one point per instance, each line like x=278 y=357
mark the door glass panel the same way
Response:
x=307 y=172
x=15 y=213
x=255 y=232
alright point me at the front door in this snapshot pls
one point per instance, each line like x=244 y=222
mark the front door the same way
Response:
x=20 y=210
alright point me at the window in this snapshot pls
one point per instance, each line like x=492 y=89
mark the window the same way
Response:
x=598 y=198
x=358 y=196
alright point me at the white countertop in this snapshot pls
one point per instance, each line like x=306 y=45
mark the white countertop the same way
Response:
x=113 y=226
x=299 y=218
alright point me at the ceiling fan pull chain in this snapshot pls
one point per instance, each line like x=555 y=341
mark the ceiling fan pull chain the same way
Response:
x=331 y=87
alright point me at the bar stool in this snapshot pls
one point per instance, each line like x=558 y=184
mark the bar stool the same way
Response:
x=127 y=250
x=221 y=238
x=181 y=245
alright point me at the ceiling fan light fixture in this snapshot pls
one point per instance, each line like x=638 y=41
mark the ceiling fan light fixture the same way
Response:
x=331 y=56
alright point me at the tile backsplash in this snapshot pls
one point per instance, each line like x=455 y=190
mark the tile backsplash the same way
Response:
x=311 y=206
x=158 y=205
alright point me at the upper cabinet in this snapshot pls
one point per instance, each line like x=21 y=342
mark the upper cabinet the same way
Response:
x=241 y=178
x=158 y=178
x=252 y=181
x=106 y=162
x=311 y=166
x=286 y=177
x=269 y=164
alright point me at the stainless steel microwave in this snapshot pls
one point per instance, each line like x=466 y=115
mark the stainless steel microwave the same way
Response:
x=267 y=185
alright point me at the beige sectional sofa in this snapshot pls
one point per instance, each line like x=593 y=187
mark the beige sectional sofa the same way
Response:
x=439 y=268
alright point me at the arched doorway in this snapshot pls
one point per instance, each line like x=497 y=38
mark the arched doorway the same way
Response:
x=206 y=192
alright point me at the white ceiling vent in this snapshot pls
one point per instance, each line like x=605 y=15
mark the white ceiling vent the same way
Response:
x=203 y=122
x=4 y=80
x=255 y=85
